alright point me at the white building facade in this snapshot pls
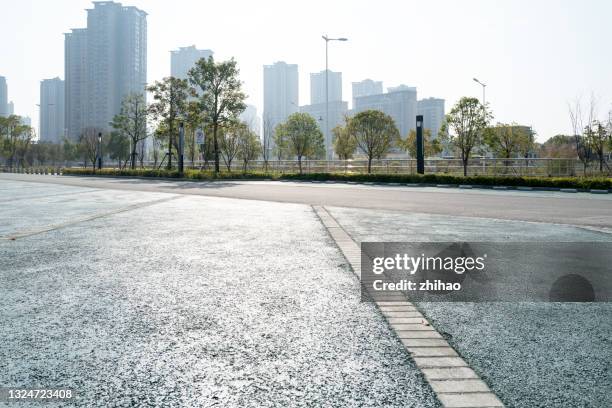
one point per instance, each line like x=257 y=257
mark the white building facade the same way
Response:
x=51 y=121
x=183 y=59
x=317 y=87
x=281 y=97
x=399 y=102
x=104 y=63
x=365 y=88
x=432 y=110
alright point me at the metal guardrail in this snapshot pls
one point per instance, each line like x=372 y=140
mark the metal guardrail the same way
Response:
x=542 y=167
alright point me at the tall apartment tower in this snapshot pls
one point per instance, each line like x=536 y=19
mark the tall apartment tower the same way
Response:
x=399 y=102
x=281 y=97
x=183 y=59
x=317 y=87
x=51 y=110
x=432 y=110
x=3 y=97
x=365 y=88
x=103 y=63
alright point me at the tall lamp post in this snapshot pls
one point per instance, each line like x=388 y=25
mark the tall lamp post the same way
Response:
x=483 y=90
x=328 y=146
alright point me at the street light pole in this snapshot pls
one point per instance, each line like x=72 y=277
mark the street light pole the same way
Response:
x=483 y=90
x=327 y=141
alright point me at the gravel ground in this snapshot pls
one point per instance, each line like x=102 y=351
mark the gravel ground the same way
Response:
x=530 y=354
x=191 y=302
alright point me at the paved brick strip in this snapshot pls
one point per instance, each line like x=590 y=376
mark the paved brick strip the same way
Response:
x=454 y=382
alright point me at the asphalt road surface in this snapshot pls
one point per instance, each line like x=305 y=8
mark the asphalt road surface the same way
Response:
x=551 y=207
x=144 y=292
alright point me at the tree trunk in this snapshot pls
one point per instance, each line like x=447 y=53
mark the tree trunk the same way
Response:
x=369 y=164
x=216 y=147
x=465 y=164
x=300 y=163
x=170 y=137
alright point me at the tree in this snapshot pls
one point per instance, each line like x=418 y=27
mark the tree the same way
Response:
x=69 y=150
x=249 y=146
x=228 y=143
x=88 y=146
x=584 y=149
x=374 y=132
x=280 y=141
x=16 y=138
x=119 y=149
x=221 y=99
x=344 y=143
x=468 y=120
x=132 y=122
x=170 y=96
x=302 y=136
x=194 y=121
x=431 y=147
x=598 y=138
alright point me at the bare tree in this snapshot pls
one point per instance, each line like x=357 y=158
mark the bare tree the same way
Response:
x=229 y=143
x=583 y=146
x=88 y=145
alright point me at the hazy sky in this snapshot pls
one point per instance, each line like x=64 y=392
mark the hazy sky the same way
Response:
x=535 y=56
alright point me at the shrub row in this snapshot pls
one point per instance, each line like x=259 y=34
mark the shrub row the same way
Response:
x=164 y=173
x=581 y=183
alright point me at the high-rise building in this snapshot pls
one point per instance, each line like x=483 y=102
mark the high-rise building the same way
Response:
x=281 y=96
x=183 y=59
x=10 y=108
x=51 y=110
x=317 y=87
x=249 y=116
x=432 y=110
x=365 y=88
x=3 y=97
x=399 y=102
x=104 y=63
x=75 y=82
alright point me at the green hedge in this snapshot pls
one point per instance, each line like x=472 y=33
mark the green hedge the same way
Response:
x=164 y=173
x=582 y=183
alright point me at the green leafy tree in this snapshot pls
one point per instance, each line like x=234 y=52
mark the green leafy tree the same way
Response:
x=344 y=143
x=598 y=137
x=375 y=133
x=467 y=120
x=118 y=149
x=431 y=147
x=280 y=141
x=170 y=99
x=221 y=99
x=131 y=122
x=16 y=139
x=302 y=136
x=88 y=146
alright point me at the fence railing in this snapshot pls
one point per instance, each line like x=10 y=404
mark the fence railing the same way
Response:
x=542 y=167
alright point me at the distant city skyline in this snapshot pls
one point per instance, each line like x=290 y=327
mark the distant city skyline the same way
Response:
x=533 y=62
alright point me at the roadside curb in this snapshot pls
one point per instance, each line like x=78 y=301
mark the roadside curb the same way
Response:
x=452 y=380
x=366 y=183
